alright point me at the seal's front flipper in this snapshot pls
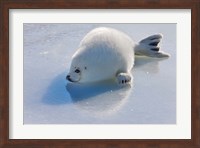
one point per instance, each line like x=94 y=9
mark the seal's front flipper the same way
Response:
x=123 y=78
x=149 y=47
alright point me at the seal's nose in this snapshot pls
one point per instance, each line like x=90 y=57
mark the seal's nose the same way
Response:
x=68 y=77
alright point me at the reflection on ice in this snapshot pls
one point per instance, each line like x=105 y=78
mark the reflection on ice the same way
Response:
x=148 y=64
x=103 y=98
x=80 y=92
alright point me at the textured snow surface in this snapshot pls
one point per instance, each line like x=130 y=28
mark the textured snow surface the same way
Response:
x=50 y=99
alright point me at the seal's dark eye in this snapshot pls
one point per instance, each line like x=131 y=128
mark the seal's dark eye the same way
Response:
x=77 y=71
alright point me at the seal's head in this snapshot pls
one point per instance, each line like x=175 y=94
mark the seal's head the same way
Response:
x=76 y=73
x=78 y=70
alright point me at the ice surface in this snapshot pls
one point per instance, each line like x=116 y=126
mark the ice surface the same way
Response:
x=50 y=99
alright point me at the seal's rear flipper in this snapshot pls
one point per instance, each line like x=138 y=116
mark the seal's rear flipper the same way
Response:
x=149 y=47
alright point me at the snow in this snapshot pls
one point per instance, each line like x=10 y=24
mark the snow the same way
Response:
x=50 y=99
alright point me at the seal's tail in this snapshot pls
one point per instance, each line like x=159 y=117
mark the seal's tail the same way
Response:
x=149 y=47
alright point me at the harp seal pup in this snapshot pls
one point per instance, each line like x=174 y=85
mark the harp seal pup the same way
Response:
x=108 y=54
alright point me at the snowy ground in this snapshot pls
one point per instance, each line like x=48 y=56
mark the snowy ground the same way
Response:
x=50 y=99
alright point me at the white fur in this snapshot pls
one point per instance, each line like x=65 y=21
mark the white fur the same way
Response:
x=103 y=54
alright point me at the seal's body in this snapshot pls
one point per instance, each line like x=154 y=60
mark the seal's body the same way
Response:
x=106 y=53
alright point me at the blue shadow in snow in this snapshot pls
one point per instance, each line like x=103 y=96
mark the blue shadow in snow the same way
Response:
x=59 y=93
x=79 y=92
x=56 y=92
